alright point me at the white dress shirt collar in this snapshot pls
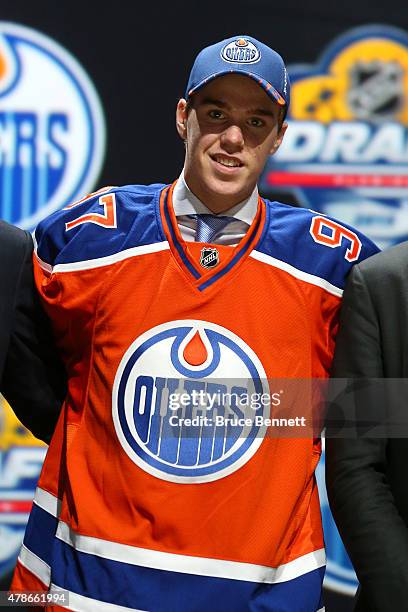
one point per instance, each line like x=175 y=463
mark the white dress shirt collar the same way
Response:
x=186 y=203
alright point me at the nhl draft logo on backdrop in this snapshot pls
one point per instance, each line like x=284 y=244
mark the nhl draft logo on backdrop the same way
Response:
x=21 y=459
x=52 y=130
x=346 y=152
x=183 y=357
x=241 y=51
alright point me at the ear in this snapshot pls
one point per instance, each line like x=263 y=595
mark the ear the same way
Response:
x=279 y=138
x=181 y=118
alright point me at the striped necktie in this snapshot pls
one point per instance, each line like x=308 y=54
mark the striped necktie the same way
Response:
x=209 y=226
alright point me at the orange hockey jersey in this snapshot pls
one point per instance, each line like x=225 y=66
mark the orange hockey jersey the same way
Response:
x=147 y=499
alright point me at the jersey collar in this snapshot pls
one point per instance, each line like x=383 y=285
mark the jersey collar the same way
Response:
x=204 y=279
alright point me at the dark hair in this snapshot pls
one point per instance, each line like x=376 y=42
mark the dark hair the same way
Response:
x=189 y=105
x=283 y=111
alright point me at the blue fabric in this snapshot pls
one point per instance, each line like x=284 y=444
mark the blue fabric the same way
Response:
x=39 y=533
x=240 y=253
x=286 y=235
x=242 y=55
x=137 y=225
x=210 y=226
x=155 y=590
x=166 y=591
x=176 y=243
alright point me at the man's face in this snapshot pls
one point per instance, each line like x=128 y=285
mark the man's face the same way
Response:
x=230 y=130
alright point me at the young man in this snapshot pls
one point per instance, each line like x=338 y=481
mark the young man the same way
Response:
x=157 y=494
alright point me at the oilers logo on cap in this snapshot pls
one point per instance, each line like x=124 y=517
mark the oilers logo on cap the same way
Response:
x=241 y=55
x=182 y=442
x=52 y=129
x=241 y=51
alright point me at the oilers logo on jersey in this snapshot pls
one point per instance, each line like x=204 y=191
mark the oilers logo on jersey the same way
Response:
x=172 y=360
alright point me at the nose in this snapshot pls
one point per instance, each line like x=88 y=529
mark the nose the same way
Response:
x=232 y=139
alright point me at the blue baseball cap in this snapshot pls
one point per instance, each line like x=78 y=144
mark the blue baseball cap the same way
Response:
x=242 y=55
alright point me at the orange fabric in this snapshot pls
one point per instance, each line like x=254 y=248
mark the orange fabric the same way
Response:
x=24 y=580
x=272 y=500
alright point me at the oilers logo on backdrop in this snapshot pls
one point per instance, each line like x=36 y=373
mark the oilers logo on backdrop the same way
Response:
x=52 y=129
x=346 y=150
x=176 y=402
x=21 y=458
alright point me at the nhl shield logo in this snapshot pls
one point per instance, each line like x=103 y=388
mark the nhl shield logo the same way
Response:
x=377 y=90
x=209 y=257
x=346 y=151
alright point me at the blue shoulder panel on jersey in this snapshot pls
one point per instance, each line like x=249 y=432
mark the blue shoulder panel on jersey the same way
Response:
x=136 y=225
x=288 y=237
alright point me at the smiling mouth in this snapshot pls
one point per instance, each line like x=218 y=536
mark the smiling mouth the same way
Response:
x=227 y=162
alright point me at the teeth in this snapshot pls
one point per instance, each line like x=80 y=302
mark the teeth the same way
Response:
x=225 y=161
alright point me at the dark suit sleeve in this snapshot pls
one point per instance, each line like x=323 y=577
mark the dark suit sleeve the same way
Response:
x=33 y=379
x=363 y=506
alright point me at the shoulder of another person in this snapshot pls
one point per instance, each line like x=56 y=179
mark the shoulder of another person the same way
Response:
x=11 y=235
x=16 y=247
x=391 y=263
x=13 y=240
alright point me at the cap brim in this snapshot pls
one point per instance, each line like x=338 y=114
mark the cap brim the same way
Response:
x=267 y=87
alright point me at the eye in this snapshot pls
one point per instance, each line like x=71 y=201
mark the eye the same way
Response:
x=256 y=122
x=216 y=114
